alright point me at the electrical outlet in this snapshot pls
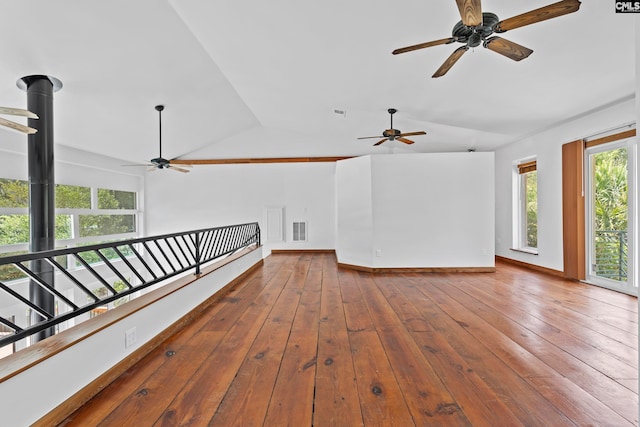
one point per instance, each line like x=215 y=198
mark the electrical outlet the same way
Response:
x=130 y=337
x=378 y=252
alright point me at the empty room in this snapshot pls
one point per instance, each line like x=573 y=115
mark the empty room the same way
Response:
x=331 y=214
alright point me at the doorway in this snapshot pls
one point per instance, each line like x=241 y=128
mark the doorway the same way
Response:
x=611 y=215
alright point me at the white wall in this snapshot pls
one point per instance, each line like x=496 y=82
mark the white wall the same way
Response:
x=215 y=195
x=427 y=210
x=354 y=211
x=547 y=147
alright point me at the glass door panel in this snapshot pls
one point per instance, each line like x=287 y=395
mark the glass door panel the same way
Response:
x=610 y=216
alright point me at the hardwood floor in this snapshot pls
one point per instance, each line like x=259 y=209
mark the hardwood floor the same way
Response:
x=303 y=343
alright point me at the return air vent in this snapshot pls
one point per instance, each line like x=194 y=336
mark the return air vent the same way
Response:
x=299 y=232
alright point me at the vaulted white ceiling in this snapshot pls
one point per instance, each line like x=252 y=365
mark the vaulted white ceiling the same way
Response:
x=260 y=79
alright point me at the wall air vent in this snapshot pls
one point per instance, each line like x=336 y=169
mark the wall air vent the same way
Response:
x=299 y=232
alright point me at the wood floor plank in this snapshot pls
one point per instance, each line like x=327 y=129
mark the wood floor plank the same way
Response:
x=381 y=399
x=246 y=401
x=601 y=386
x=302 y=342
x=522 y=399
x=533 y=369
x=614 y=309
x=552 y=304
x=105 y=402
x=236 y=303
x=630 y=383
x=156 y=392
x=479 y=402
x=481 y=406
x=548 y=307
x=580 y=290
x=202 y=396
x=410 y=316
x=427 y=397
x=577 y=404
x=584 y=348
x=355 y=310
x=380 y=312
x=298 y=369
x=336 y=401
x=429 y=400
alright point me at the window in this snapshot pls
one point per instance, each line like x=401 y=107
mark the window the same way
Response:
x=526 y=206
x=73 y=197
x=114 y=199
x=82 y=215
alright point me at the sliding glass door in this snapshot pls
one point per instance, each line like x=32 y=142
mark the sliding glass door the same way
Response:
x=611 y=209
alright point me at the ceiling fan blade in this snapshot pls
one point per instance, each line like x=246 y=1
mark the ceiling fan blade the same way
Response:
x=452 y=59
x=405 y=140
x=370 y=137
x=424 y=45
x=17 y=126
x=413 y=133
x=542 y=14
x=471 y=12
x=18 y=112
x=507 y=48
x=380 y=142
x=176 y=168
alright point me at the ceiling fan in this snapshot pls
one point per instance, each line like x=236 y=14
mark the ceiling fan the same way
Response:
x=160 y=162
x=393 y=134
x=17 y=126
x=476 y=27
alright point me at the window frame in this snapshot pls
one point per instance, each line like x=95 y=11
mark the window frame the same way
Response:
x=522 y=172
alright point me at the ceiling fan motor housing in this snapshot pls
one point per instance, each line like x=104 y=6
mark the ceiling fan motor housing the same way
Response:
x=473 y=36
x=391 y=133
x=160 y=162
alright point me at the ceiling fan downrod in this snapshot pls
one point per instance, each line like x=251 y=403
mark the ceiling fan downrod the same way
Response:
x=392 y=111
x=159 y=109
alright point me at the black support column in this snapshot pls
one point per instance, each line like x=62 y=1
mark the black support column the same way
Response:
x=40 y=91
